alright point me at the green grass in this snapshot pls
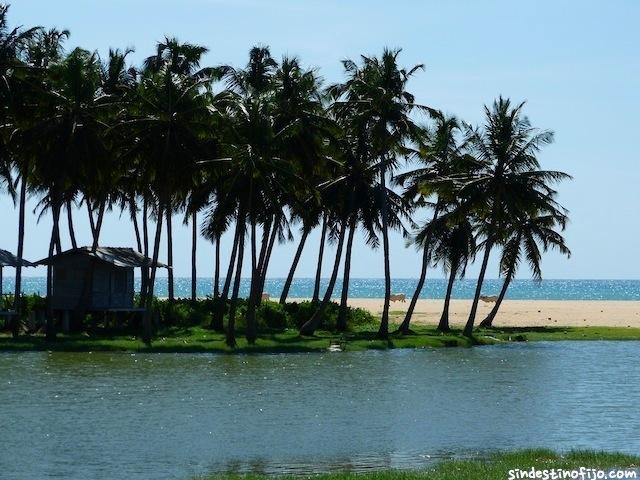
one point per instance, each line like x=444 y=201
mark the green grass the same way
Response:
x=199 y=339
x=494 y=467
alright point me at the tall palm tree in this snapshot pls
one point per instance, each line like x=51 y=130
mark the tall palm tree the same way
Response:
x=381 y=107
x=299 y=107
x=167 y=124
x=528 y=237
x=510 y=181
x=441 y=156
x=356 y=198
x=13 y=67
x=181 y=60
x=65 y=141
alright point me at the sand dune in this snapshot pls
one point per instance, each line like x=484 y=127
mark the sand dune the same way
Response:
x=518 y=313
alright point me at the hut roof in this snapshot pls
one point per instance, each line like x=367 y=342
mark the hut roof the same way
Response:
x=8 y=259
x=119 y=257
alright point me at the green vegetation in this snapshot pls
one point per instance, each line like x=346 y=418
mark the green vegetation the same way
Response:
x=184 y=327
x=494 y=467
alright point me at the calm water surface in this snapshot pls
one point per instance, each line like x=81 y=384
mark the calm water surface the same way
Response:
x=165 y=416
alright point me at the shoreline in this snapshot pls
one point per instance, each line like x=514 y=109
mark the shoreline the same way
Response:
x=514 y=313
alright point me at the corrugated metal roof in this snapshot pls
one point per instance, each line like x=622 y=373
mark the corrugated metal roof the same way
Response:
x=117 y=256
x=8 y=259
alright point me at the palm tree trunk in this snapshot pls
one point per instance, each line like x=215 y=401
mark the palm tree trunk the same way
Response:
x=216 y=269
x=315 y=321
x=468 y=329
x=443 y=324
x=170 y=289
x=194 y=252
x=56 y=209
x=255 y=258
x=265 y=263
x=50 y=331
x=98 y=229
x=72 y=233
x=383 y=331
x=146 y=319
x=231 y=332
x=341 y=323
x=217 y=320
x=404 y=326
x=294 y=265
x=144 y=272
x=316 y=286
x=134 y=218
x=488 y=322
x=92 y=222
x=264 y=247
x=232 y=262
x=20 y=254
x=251 y=328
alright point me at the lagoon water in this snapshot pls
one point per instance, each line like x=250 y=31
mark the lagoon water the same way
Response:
x=172 y=416
x=520 y=289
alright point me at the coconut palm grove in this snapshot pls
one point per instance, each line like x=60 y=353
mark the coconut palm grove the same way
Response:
x=262 y=150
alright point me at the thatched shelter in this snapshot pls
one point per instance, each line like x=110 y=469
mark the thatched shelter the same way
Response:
x=104 y=278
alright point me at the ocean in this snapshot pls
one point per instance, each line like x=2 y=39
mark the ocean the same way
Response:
x=374 y=288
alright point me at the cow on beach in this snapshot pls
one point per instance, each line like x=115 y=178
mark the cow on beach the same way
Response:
x=398 y=297
x=489 y=298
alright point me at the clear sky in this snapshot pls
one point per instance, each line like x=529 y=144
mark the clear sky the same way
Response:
x=576 y=63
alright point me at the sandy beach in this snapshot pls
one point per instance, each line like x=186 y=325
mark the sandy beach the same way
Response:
x=518 y=313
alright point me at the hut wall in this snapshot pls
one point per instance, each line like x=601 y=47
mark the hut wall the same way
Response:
x=112 y=287
x=68 y=278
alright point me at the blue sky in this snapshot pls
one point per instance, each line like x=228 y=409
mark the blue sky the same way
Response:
x=576 y=64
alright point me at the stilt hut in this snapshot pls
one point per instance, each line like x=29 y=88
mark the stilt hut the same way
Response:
x=101 y=280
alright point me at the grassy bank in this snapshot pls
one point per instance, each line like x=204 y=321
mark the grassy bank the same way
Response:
x=200 y=339
x=495 y=467
x=183 y=327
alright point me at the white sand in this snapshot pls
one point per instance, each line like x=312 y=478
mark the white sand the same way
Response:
x=517 y=313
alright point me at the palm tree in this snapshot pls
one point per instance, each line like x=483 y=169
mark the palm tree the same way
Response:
x=65 y=140
x=278 y=131
x=525 y=238
x=510 y=181
x=441 y=157
x=356 y=198
x=299 y=107
x=167 y=124
x=13 y=43
x=181 y=60
x=381 y=109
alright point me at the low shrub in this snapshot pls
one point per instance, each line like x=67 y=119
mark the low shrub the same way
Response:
x=299 y=313
x=272 y=315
